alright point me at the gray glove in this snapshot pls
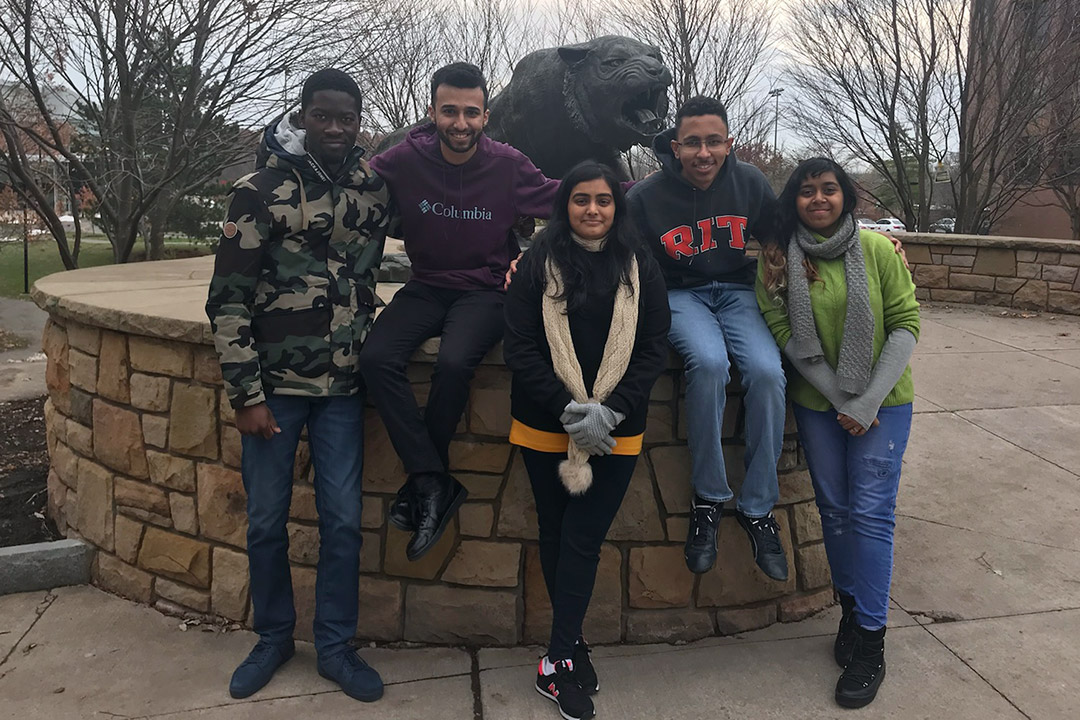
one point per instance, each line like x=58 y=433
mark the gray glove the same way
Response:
x=589 y=425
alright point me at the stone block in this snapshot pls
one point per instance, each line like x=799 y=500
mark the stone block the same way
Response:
x=80 y=438
x=231 y=449
x=813 y=565
x=303 y=582
x=94 y=511
x=963 y=250
x=917 y=254
x=795 y=486
x=206 y=368
x=160 y=357
x=638 y=518
x=1008 y=285
x=995 y=261
x=480 y=487
x=489 y=411
x=799 y=607
x=993 y=298
x=659 y=425
x=380 y=610
x=198 y=600
x=302 y=460
x=303 y=543
x=1049 y=258
x=479 y=456
x=647 y=626
x=1028 y=270
x=603 y=622
x=222 y=504
x=476 y=519
x=484 y=564
x=517 y=513
x=452 y=616
x=82 y=370
x=44 y=566
x=193 y=422
x=664 y=389
x=1026 y=255
x=807 y=522
x=128 y=537
x=370 y=552
x=113 y=370
x=184 y=516
x=175 y=473
x=131 y=493
x=383 y=471
x=57 y=507
x=116 y=576
x=1063 y=301
x=672 y=468
x=971 y=282
x=1067 y=259
x=176 y=556
x=57 y=372
x=83 y=337
x=1050 y=273
x=229 y=593
x=739 y=620
x=953 y=296
x=80 y=406
x=225 y=410
x=303 y=503
x=958 y=260
x=427 y=567
x=1032 y=296
x=118 y=439
x=372 y=513
x=66 y=465
x=736 y=579
x=155 y=429
x=659 y=578
x=150 y=392
x=678 y=526
x=932 y=276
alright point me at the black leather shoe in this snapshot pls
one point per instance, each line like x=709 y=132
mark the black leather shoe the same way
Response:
x=845 y=634
x=436 y=498
x=401 y=514
x=858 y=685
x=701 y=538
x=764 y=536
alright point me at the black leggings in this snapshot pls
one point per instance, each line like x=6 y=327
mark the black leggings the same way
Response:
x=572 y=529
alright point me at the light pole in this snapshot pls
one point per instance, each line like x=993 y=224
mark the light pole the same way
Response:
x=775 y=93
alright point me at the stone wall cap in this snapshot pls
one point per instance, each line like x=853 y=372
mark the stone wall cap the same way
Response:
x=989 y=241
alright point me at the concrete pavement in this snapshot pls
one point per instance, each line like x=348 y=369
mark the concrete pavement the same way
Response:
x=986 y=592
x=22 y=371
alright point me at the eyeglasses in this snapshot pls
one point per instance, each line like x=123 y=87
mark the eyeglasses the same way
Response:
x=695 y=144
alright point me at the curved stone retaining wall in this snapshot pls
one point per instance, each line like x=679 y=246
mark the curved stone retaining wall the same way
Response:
x=145 y=466
x=1022 y=273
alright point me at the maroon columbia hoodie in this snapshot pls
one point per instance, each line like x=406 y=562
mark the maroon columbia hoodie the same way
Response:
x=456 y=219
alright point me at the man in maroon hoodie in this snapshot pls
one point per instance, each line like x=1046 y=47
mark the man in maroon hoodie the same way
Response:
x=459 y=194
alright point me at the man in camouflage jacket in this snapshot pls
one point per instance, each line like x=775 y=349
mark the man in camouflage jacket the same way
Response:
x=290 y=304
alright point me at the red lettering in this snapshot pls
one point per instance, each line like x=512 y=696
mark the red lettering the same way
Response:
x=705 y=226
x=736 y=226
x=679 y=241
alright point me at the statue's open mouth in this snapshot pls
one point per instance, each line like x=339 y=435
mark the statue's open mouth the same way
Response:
x=645 y=111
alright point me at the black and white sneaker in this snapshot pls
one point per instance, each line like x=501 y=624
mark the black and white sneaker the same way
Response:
x=764 y=534
x=562 y=687
x=583 y=668
x=702 y=535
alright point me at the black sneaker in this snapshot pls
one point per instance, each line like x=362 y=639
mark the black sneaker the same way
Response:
x=845 y=634
x=401 y=513
x=764 y=536
x=859 y=683
x=702 y=536
x=584 y=672
x=561 y=687
x=437 y=496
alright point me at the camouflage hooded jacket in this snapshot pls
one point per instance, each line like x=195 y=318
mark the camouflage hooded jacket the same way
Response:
x=292 y=296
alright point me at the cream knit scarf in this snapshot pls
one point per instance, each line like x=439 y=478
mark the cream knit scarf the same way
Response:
x=575 y=472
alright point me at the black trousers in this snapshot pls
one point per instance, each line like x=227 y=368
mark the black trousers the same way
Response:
x=572 y=529
x=470 y=323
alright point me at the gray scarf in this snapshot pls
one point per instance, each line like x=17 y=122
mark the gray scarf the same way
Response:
x=857 y=345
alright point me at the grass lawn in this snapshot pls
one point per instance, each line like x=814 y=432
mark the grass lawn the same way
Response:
x=45 y=260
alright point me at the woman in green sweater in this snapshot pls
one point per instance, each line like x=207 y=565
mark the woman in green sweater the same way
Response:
x=842 y=308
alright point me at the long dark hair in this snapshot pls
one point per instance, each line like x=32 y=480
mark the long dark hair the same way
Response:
x=774 y=249
x=581 y=270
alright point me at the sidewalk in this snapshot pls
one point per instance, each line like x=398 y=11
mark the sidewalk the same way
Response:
x=986 y=593
x=22 y=371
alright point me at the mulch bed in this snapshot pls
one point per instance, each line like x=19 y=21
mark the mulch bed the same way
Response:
x=24 y=467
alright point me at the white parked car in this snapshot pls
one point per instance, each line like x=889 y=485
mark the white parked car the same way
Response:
x=866 y=224
x=889 y=224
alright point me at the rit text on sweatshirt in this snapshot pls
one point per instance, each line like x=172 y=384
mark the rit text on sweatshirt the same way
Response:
x=456 y=219
x=699 y=236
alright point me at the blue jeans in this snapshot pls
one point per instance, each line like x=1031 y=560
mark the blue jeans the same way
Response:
x=855 y=481
x=336 y=434
x=708 y=323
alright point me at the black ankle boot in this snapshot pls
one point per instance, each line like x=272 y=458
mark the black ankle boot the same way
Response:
x=862 y=677
x=845 y=634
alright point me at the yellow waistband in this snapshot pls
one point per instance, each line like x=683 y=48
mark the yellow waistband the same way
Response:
x=549 y=442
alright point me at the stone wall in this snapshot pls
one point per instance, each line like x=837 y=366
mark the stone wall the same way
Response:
x=1020 y=273
x=145 y=466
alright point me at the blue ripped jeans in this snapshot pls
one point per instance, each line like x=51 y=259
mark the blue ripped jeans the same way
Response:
x=855 y=481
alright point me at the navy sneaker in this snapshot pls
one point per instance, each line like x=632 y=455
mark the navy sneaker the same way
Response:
x=702 y=535
x=764 y=534
x=359 y=680
x=584 y=672
x=258 y=667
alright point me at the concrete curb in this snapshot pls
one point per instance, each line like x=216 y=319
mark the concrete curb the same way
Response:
x=41 y=566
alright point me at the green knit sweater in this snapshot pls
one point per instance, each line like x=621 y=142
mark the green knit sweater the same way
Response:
x=892 y=300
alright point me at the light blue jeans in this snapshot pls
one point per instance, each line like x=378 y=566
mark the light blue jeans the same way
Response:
x=855 y=481
x=708 y=323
